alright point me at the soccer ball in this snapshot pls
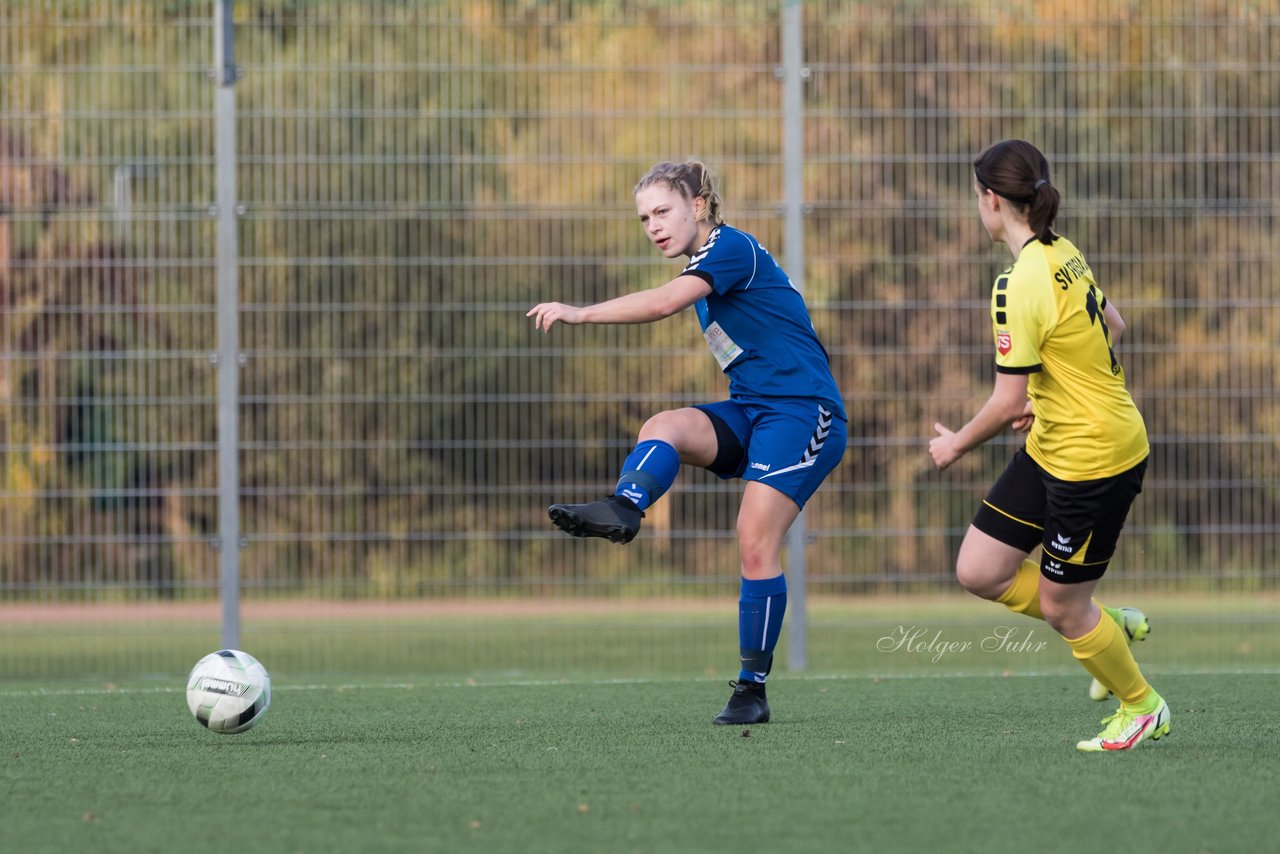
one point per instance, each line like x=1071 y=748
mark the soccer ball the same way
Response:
x=228 y=691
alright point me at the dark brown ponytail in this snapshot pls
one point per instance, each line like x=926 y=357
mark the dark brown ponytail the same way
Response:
x=1016 y=170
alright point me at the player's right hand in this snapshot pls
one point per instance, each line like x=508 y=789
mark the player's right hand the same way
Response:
x=545 y=314
x=942 y=447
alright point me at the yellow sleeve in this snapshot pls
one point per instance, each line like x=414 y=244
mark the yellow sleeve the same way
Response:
x=1023 y=313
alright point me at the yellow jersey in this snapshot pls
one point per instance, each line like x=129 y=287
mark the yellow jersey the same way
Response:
x=1048 y=322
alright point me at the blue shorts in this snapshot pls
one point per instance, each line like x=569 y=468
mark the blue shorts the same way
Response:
x=791 y=445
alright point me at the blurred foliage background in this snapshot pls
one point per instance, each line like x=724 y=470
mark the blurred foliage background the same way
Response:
x=414 y=176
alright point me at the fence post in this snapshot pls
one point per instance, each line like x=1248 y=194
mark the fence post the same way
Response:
x=793 y=76
x=227 y=357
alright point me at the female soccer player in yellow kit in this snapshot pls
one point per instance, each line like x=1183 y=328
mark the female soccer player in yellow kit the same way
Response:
x=1070 y=489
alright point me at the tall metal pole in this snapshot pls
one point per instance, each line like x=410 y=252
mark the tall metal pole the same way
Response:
x=227 y=358
x=794 y=73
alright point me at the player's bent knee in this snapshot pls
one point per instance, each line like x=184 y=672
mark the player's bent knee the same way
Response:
x=759 y=558
x=758 y=562
x=681 y=428
x=664 y=425
x=980 y=580
x=1069 y=618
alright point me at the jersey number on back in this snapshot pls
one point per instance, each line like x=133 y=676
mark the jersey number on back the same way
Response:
x=1096 y=316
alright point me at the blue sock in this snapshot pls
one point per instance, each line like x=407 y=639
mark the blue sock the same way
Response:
x=761 y=605
x=648 y=472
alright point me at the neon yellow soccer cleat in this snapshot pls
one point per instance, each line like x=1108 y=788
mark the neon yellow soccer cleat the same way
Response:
x=1135 y=626
x=1127 y=728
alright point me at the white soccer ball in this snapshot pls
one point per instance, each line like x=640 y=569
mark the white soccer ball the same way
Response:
x=228 y=691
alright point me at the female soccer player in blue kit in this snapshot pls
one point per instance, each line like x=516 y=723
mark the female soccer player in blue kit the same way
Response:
x=782 y=430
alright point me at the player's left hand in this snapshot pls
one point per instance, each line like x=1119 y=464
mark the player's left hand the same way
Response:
x=942 y=447
x=1022 y=424
x=545 y=314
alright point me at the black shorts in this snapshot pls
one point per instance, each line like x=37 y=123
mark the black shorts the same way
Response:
x=1077 y=522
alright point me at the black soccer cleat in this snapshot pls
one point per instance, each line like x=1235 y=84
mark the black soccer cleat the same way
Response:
x=747 y=705
x=615 y=519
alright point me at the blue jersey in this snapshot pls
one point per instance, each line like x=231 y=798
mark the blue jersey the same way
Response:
x=757 y=325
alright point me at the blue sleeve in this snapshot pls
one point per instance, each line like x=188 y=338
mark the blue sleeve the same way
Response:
x=725 y=262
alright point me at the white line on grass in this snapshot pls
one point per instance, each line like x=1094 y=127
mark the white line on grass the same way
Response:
x=542 y=683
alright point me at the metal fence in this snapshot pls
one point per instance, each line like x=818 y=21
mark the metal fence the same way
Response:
x=410 y=177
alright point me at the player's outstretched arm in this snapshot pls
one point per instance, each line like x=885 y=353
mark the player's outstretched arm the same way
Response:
x=639 y=307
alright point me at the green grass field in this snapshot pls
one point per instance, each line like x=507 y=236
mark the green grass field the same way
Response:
x=862 y=764
x=590 y=732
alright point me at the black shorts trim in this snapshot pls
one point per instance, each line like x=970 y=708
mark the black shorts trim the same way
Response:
x=1007 y=528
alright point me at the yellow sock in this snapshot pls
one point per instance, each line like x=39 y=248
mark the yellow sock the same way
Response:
x=1104 y=653
x=1023 y=595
